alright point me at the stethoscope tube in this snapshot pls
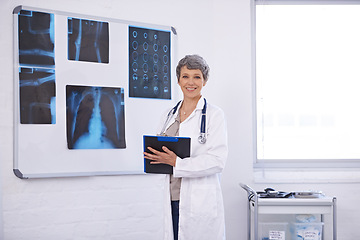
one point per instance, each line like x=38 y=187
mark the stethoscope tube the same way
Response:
x=202 y=137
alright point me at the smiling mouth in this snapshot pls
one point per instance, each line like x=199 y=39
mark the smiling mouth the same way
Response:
x=190 y=88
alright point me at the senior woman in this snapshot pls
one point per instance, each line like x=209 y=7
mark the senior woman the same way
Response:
x=195 y=191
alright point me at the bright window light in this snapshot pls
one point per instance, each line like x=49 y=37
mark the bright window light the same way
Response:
x=308 y=82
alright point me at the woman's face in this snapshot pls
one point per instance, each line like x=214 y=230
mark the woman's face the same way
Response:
x=191 y=82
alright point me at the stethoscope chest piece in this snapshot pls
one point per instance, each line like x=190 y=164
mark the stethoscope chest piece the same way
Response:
x=202 y=138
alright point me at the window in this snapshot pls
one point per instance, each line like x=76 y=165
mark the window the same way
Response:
x=307 y=86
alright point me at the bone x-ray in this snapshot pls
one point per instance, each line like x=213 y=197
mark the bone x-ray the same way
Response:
x=88 y=40
x=149 y=63
x=37 y=95
x=37 y=61
x=36 y=39
x=95 y=117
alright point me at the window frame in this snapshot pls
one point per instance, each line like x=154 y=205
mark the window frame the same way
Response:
x=290 y=163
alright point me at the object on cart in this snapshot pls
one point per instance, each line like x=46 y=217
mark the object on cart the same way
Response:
x=305 y=218
x=273 y=230
x=306 y=231
x=267 y=193
x=308 y=194
x=272 y=193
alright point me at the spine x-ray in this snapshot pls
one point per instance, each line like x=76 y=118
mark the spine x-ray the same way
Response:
x=37 y=71
x=149 y=63
x=95 y=117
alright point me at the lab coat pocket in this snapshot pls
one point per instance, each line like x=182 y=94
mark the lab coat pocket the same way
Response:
x=204 y=202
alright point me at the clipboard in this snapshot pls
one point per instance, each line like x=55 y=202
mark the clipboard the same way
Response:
x=179 y=145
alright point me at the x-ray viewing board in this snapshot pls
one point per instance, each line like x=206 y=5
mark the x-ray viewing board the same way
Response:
x=85 y=92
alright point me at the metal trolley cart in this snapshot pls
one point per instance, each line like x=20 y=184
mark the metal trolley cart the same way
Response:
x=292 y=203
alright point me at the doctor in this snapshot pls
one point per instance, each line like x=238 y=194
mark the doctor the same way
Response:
x=195 y=192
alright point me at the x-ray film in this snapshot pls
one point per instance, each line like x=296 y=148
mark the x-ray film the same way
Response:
x=88 y=40
x=149 y=63
x=95 y=117
x=37 y=61
x=37 y=95
x=36 y=38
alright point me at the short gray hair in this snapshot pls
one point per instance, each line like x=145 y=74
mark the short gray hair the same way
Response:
x=193 y=62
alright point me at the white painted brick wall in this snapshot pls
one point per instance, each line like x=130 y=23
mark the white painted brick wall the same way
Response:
x=111 y=207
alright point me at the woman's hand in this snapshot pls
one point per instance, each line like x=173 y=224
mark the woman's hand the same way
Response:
x=166 y=157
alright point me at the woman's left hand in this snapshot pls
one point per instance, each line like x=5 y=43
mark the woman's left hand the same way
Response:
x=166 y=157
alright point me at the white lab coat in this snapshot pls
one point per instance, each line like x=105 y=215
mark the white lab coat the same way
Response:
x=201 y=201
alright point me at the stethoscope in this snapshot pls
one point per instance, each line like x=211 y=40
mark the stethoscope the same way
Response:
x=202 y=137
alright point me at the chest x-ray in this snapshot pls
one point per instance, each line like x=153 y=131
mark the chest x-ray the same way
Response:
x=95 y=117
